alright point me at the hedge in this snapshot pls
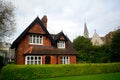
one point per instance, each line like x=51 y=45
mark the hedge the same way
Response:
x=1 y=62
x=33 y=72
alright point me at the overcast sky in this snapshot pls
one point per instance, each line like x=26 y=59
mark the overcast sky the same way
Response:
x=69 y=16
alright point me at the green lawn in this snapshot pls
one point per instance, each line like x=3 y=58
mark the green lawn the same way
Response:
x=109 y=76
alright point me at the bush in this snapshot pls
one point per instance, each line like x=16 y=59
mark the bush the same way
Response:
x=1 y=62
x=32 y=72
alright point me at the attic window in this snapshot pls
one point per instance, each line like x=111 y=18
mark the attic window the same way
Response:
x=61 y=44
x=36 y=39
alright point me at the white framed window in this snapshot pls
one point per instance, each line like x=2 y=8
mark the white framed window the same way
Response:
x=31 y=59
x=36 y=39
x=65 y=60
x=61 y=44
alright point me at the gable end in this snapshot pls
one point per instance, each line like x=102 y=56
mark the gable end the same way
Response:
x=26 y=31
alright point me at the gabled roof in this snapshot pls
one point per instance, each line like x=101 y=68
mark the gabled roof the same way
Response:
x=23 y=34
x=57 y=36
x=96 y=40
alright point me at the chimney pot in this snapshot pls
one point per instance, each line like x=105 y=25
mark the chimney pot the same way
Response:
x=44 y=21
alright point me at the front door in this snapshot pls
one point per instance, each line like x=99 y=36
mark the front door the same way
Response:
x=47 y=60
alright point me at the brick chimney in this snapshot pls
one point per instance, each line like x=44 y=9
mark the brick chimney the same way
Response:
x=44 y=21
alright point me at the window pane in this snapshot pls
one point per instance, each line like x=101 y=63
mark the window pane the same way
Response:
x=34 y=39
x=35 y=62
x=40 y=39
x=30 y=38
x=39 y=58
x=31 y=58
x=36 y=58
x=28 y=62
x=37 y=39
x=31 y=62
x=28 y=58
x=39 y=62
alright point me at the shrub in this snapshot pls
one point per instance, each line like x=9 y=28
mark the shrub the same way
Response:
x=32 y=72
x=1 y=62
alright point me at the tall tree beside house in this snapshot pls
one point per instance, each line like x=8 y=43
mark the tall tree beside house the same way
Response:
x=82 y=43
x=7 y=23
x=115 y=46
x=83 y=46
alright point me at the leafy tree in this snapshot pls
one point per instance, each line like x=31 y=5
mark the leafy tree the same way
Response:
x=82 y=43
x=115 y=47
x=83 y=46
x=89 y=53
x=7 y=25
x=102 y=53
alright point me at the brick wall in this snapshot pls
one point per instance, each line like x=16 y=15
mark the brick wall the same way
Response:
x=72 y=59
x=53 y=59
x=36 y=29
x=22 y=48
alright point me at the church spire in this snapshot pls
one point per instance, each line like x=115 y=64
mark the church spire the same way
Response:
x=86 y=33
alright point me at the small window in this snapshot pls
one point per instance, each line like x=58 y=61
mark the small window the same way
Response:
x=33 y=60
x=65 y=60
x=36 y=39
x=61 y=44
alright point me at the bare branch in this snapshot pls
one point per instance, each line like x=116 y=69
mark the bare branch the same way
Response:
x=7 y=24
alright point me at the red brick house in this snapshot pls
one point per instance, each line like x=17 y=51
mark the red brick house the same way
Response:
x=36 y=45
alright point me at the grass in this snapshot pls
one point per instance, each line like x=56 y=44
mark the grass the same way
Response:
x=107 y=76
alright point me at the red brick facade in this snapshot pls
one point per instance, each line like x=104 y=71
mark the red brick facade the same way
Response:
x=48 y=48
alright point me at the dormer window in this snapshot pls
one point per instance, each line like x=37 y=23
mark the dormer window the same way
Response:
x=36 y=39
x=61 y=44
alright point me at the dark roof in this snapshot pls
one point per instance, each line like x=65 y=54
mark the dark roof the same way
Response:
x=52 y=50
x=57 y=36
x=23 y=34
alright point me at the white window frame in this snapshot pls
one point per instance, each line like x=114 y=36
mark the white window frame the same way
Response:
x=33 y=60
x=61 y=44
x=36 y=39
x=65 y=60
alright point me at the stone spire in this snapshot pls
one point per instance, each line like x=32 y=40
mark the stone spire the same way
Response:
x=44 y=20
x=86 y=33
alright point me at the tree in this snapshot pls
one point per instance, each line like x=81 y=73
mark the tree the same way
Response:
x=7 y=25
x=83 y=46
x=89 y=53
x=115 y=46
x=82 y=43
x=101 y=53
